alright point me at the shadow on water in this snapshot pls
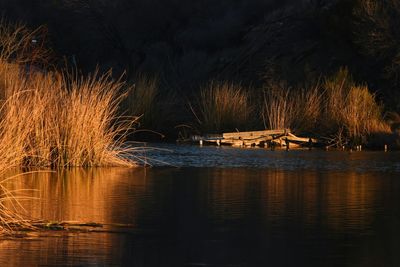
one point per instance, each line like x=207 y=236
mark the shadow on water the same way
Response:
x=214 y=217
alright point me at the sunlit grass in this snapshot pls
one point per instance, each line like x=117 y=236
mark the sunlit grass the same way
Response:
x=50 y=117
x=337 y=108
x=224 y=106
x=351 y=107
x=61 y=119
x=287 y=108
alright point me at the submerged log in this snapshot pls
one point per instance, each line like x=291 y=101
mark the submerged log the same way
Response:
x=41 y=228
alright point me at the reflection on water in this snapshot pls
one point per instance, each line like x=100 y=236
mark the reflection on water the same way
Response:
x=346 y=201
x=80 y=194
x=213 y=217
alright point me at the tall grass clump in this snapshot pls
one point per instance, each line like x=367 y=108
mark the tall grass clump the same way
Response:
x=278 y=107
x=62 y=119
x=287 y=108
x=350 y=109
x=336 y=108
x=224 y=106
x=51 y=117
x=11 y=155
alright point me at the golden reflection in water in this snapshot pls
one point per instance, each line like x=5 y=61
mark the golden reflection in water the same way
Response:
x=85 y=195
x=265 y=199
x=227 y=193
x=271 y=201
x=349 y=200
x=333 y=200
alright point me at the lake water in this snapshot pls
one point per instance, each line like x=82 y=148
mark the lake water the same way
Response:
x=215 y=206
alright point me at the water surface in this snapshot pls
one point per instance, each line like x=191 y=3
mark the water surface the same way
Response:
x=219 y=207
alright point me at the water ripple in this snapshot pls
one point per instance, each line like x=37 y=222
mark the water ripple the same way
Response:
x=228 y=157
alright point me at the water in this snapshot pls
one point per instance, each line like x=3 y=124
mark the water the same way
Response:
x=219 y=207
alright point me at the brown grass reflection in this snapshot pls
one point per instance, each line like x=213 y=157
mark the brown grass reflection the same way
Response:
x=333 y=200
x=86 y=195
x=102 y=195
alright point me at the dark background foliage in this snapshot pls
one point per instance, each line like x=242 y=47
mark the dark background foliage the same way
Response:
x=187 y=43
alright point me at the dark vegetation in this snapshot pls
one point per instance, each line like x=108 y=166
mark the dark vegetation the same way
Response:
x=326 y=68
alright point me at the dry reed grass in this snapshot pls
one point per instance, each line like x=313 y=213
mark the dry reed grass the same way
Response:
x=351 y=107
x=56 y=118
x=286 y=108
x=224 y=106
x=277 y=113
x=61 y=119
x=337 y=107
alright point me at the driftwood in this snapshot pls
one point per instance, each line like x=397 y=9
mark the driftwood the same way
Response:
x=266 y=138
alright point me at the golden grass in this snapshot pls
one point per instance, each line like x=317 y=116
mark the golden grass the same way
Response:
x=286 y=108
x=351 y=107
x=278 y=107
x=224 y=106
x=56 y=118
x=60 y=119
x=337 y=107
x=361 y=115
